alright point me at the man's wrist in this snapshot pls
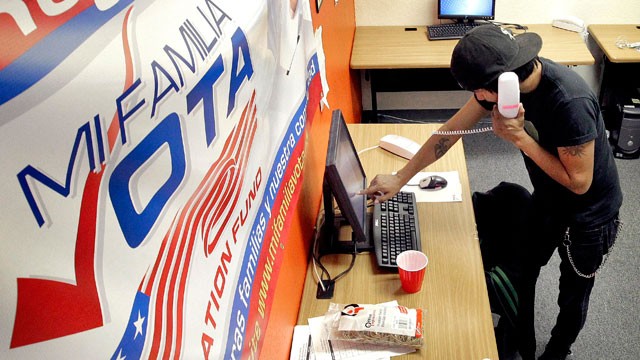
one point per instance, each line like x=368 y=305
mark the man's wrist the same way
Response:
x=402 y=176
x=523 y=141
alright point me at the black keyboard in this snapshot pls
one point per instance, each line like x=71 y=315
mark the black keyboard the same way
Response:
x=395 y=228
x=450 y=31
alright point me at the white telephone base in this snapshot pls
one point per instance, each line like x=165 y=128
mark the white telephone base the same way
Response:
x=569 y=22
x=399 y=145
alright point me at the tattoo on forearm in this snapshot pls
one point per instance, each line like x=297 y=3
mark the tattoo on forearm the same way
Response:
x=441 y=147
x=577 y=150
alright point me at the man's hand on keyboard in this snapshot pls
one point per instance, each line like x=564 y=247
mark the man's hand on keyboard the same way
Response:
x=383 y=187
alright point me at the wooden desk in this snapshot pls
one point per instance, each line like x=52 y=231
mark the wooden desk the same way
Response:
x=458 y=323
x=382 y=49
x=621 y=68
x=606 y=37
x=392 y=47
x=620 y=78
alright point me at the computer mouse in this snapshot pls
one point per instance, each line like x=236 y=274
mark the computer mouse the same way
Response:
x=433 y=182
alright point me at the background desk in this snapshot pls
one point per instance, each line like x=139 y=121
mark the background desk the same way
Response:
x=620 y=82
x=606 y=37
x=397 y=59
x=621 y=66
x=458 y=322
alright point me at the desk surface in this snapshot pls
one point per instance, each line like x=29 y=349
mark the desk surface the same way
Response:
x=391 y=47
x=606 y=37
x=458 y=323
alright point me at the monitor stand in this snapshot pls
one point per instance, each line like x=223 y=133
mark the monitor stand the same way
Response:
x=336 y=237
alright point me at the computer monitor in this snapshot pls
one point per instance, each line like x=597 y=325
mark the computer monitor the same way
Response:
x=344 y=177
x=461 y=10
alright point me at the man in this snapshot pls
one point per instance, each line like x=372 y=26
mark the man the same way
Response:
x=561 y=135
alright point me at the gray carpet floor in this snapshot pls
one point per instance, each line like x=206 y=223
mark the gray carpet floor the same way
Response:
x=612 y=330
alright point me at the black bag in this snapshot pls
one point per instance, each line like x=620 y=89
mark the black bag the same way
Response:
x=501 y=217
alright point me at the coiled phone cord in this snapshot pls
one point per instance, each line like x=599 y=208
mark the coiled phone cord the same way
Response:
x=463 y=132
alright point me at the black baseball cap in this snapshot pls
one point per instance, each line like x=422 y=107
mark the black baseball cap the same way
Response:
x=487 y=51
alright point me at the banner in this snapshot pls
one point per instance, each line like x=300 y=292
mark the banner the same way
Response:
x=152 y=154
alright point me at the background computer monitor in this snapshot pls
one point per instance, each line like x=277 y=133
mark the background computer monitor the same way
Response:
x=466 y=9
x=344 y=177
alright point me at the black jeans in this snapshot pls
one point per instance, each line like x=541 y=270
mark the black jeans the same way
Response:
x=581 y=255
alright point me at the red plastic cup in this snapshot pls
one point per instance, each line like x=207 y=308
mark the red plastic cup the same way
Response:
x=411 y=267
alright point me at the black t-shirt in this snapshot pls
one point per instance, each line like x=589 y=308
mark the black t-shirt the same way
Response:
x=562 y=111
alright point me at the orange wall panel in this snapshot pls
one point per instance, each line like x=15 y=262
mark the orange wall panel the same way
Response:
x=338 y=28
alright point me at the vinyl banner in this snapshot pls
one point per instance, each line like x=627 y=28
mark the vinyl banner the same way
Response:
x=152 y=155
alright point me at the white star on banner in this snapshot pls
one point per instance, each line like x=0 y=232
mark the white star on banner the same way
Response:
x=138 y=324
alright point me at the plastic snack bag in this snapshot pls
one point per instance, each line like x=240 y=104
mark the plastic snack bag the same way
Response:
x=382 y=324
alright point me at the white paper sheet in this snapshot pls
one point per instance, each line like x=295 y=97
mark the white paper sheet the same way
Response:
x=301 y=344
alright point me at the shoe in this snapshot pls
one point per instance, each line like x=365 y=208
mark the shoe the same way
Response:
x=554 y=355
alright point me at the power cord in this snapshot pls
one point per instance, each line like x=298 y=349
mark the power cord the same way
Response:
x=510 y=25
x=326 y=283
x=401 y=119
x=367 y=149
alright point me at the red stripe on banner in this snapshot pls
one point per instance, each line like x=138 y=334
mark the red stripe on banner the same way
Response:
x=27 y=17
x=216 y=196
x=159 y=318
x=223 y=192
x=114 y=128
x=314 y=96
x=269 y=264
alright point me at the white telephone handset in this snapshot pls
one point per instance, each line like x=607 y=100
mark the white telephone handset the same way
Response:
x=569 y=22
x=508 y=103
x=508 y=95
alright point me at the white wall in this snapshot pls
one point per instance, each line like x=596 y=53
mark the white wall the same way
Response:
x=423 y=12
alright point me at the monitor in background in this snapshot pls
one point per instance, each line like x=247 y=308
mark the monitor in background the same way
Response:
x=470 y=10
x=344 y=177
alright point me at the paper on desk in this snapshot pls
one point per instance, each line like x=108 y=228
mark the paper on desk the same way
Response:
x=324 y=349
x=451 y=193
x=301 y=344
